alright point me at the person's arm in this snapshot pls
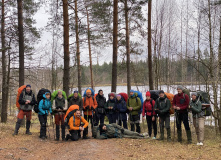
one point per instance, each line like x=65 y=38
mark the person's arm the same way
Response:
x=167 y=108
x=84 y=104
x=21 y=100
x=136 y=108
x=81 y=104
x=174 y=101
x=40 y=107
x=85 y=122
x=53 y=105
x=186 y=103
x=95 y=103
x=106 y=105
x=71 y=125
x=33 y=101
x=50 y=110
x=123 y=108
x=156 y=105
x=116 y=126
x=65 y=105
x=99 y=136
x=197 y=108
x=143 y=112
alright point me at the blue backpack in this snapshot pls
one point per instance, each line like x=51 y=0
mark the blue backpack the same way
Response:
x=92 y=92
x=141 y=99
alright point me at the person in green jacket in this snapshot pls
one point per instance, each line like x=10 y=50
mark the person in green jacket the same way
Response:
x=198 y=118
x=134 y=106
x=162 y=108
x=114 y=131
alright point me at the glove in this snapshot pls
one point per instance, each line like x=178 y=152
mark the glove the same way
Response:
x=87 y=108
x=92 y=108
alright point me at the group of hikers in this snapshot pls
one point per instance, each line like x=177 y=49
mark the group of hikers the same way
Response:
x=119 y=108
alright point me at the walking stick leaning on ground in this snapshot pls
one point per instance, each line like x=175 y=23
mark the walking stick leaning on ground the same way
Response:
x=53 y=125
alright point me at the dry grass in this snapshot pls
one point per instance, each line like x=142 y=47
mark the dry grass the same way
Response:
x=31 y=147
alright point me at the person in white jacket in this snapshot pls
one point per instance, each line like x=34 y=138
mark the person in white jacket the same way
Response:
x=60 y=105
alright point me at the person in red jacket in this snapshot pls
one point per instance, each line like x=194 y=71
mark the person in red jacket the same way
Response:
x=148 y=109
x=181 y=104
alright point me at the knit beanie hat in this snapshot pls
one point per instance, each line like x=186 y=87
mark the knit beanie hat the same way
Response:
x=180 y=87
x=148 y=94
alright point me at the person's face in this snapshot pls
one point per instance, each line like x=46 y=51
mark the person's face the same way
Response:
x=88 y=94
x=193 y=97
x=78 y=114
x=111 y=97
x=60 y=95
x=28 y=89
x=131 y=93
x=118 y=98
x=48 y=96
x=104 y=127
x=161 y=95
x=101 y=93
x=179 y=91
x=148 y=97
x=75 y=95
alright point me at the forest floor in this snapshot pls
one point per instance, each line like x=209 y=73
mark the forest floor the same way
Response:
x=24 y=147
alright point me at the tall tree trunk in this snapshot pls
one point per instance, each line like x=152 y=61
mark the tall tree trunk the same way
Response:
x=115 y=47
x=4 y=79
x=78 y=47
x=219 y=60
x=89 y=47
x=66 y=47
x=21 y=43
x=149 y=47
x=127 y=47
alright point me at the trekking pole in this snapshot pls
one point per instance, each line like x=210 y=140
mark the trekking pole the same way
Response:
x=53 y=125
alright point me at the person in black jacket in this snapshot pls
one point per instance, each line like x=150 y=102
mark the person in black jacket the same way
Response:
x=27 y=102
x=162 y=108
x=121 y=109
x=75 y=100
x=100 y=110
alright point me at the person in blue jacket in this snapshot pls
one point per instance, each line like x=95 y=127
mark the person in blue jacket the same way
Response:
x=121 y=109
x=44 y=108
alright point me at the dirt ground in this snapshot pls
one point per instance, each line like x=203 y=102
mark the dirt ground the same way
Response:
x=24 y=147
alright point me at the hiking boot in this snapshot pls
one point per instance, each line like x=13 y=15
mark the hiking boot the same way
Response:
x=86 y=137
x=43 y=137
x=56 y=139
x=154 y=138
x=179 y=136
x=15 y=134
x=28 y=133
x=168 y=135
x=189 y=136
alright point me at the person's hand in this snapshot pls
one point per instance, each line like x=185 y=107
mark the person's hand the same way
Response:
x=26 y=102
x=92 y=108
x=174 y=107
x=111 y=107
x=131 y=108
x=153 y=118
x=87 y=107
x=143 y=118
x=178 y=108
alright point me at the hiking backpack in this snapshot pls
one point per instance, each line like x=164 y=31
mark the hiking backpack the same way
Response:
x=203 y=97
x=170 y=96
x=41 y=92
x=154 y=94
x=125 y=96
x=139 y=95
x=20 y=90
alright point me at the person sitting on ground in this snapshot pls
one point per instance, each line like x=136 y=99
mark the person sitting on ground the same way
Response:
x=115 y=131
x=75 y=126
x=44 y=108
x=198 y=118
x=162 y=108
x=75 y=100
x=59 y=107
x=121 y=108
x=151 y=116
x=27 y=102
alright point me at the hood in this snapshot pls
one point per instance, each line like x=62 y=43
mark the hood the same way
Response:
x=134 y=95
x=44 y=95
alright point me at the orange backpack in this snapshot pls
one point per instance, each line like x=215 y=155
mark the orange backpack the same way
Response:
x=20 y=90
x=170 y=96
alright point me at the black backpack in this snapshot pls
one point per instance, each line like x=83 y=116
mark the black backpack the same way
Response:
x=41 y=92
x=154 y=94
x=203 y=97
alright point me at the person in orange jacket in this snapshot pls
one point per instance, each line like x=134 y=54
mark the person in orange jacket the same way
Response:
x=89 y=106
x=75 y=126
